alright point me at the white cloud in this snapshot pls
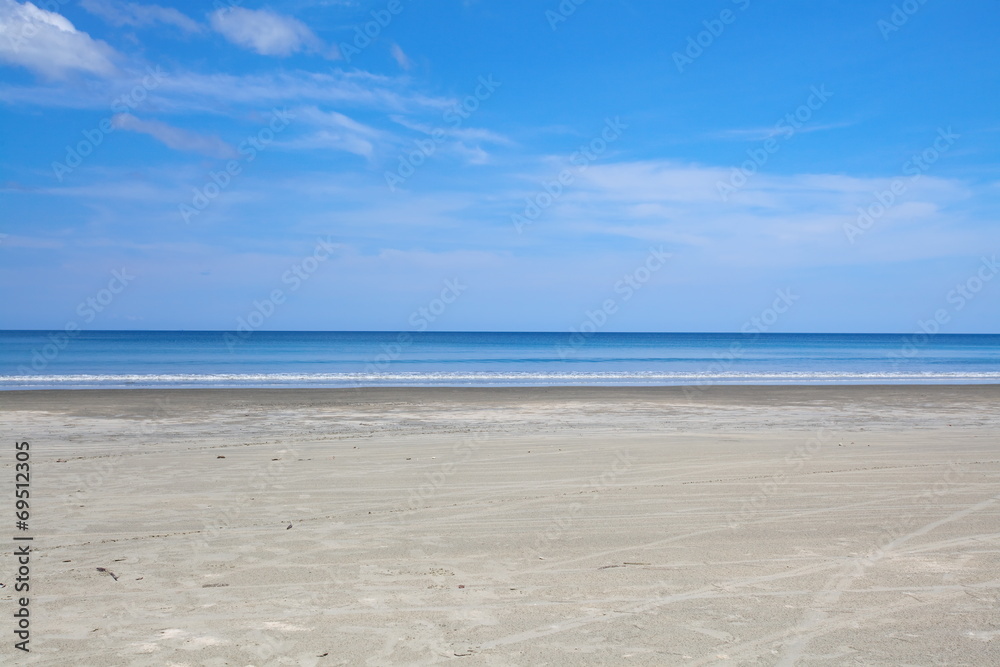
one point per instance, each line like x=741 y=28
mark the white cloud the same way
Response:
x=337 y=120
x=46 y=43
x=266 y=32
x=333 y=140
x=175 y=137
x=139 y=16
x=466 y=142
x=401 y=58
x=336 y=131
x=472 y=154
x=466 y=134
x=775 y=220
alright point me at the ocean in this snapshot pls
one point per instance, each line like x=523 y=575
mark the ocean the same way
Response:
x=116 y=359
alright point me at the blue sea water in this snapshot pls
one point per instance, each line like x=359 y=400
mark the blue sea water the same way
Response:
x=112 y=359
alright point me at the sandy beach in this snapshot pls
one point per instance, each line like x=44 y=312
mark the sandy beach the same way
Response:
x=513 y=526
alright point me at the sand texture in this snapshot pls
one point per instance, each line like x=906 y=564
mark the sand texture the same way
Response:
x=562 y=526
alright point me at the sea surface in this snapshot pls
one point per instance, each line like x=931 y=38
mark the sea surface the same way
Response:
x=114 y=359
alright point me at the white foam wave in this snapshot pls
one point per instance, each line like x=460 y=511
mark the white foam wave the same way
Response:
x=484 y=378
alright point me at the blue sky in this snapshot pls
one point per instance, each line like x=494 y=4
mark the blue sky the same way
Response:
x=536 y=152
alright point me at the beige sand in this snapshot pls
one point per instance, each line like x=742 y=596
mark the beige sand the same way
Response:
x=730 y=526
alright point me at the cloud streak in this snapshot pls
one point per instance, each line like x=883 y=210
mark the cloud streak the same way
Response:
x=337 y=131
x=175 y=137
x=140 y=16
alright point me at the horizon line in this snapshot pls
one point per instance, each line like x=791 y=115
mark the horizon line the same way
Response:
x=495 y=331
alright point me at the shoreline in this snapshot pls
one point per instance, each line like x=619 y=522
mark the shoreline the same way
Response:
x=531 y=388
x=688 y=392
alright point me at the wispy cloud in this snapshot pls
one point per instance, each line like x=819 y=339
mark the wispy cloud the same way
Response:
x=229 y=94
x=465 y=141
x=175 y=137
x=333 y=140
x=762 y=133
x=268 y=33
x=778 y=220
x=338 y=87
x=469 y=134
x=140 y=16
x=336 y=132
x=337 y=120
x=400 y=57
x=48 y=44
